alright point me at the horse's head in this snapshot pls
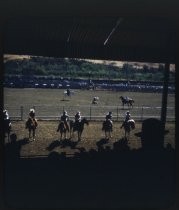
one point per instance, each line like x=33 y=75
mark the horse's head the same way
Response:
x=85 y=121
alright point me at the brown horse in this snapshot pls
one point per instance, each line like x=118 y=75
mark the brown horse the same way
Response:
x=107 y=128
x=31 y=125
x=126 y=100
x=128 y=126
x=78 y=126
x=63 y=128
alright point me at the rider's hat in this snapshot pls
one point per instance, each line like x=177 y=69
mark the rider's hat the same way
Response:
x=110 y=112
x=65 y=112
x=32 y=110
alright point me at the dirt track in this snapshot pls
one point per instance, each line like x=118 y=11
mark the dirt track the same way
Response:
x=48 y=139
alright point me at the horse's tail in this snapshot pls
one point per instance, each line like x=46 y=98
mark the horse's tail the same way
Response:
x=103 y=127
x=27 y=124
x=35 y=123
x=58 y=127
x=132 y=122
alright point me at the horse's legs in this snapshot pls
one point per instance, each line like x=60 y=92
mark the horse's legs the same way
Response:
x=79 y=135
x=33 y=133
x=8 y=135
x=60 y=135
x=105 y=134
x=65 y=135
x=110 y=134
x=125 y=133
x=29 y=133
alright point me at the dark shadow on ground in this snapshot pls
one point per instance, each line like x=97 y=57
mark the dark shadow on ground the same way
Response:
x=62 y=143
x=116 y=177
x=101 y=142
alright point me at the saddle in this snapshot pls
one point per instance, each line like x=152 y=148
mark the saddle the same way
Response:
x=107 y=124
x=31 y=122
x=66 y=125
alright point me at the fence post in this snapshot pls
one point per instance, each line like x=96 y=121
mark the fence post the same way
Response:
x=22 y=112
x=142 y=113
x=117 y=113
x=90 y=112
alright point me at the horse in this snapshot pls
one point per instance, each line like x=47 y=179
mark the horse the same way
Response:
x=95 y=100
x=127 y=100
x=7 y=128
x=31 y=125
x=78 y=126
x=68 y=93
x=63 y=129
x=128 y=126
x=107 y=128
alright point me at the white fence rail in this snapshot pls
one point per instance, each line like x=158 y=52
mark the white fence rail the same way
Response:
x=93 y=112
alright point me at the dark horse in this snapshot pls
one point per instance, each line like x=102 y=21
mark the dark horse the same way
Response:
x=107 y=128
x=62 y=127
x=126 y=100
x=31 y=125
x=7 y=128
x=78 y=126
x=128 y=126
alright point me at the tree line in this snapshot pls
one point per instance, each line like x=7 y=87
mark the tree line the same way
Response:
x=78 y=68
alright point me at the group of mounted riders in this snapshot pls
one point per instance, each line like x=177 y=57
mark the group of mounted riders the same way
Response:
x=66 y=124
x=65 y=119
x=127 y=124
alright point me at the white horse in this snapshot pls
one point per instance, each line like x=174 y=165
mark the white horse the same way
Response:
x=95 y=100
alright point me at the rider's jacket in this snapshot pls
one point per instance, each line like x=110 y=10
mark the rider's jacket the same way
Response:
x=108 y=117
x=77 y=117
x=64 y=118
x=127 y=117
x=32 y=114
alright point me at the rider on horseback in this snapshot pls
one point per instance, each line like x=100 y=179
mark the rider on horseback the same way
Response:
x=65 y=119
x=31 y=123
x=32 y=113
x=32 y=117
x=77 y=118
x=127 y=117
x=68 y=92
x=109 y=118
x=5 y=115
x=6 y=122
